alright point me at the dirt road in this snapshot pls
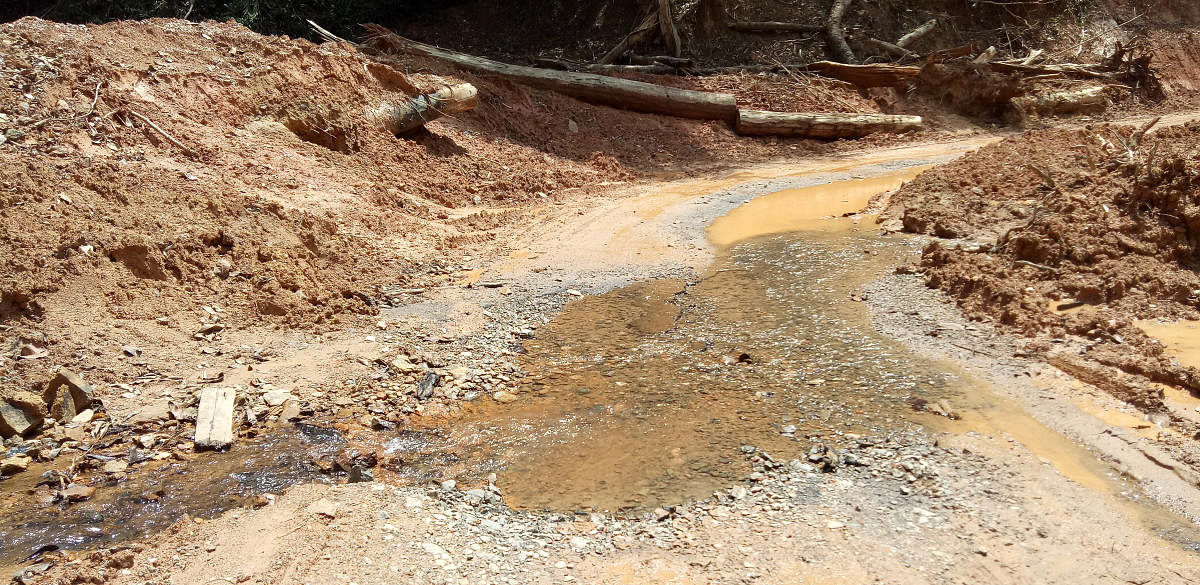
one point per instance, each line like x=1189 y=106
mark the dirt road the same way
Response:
x=992 y=494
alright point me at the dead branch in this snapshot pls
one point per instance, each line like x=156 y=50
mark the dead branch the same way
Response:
x=775 y=27
x=321 y=32
x=896 y=50
x=637 y=35
x=164 y=134
x=917 y=34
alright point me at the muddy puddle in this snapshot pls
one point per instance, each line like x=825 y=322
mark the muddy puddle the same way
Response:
x=644 y=396
x=155 y=498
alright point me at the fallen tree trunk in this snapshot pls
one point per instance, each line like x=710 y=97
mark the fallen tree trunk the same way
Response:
x=775 y=27
x=407 y=116
x=589 y=87
x=838 y=47
x=827 y=126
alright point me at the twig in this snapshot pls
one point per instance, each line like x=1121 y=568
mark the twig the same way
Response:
x=1036 y=265
x=169 y=138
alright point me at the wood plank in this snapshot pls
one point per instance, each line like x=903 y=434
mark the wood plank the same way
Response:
x=214 y=418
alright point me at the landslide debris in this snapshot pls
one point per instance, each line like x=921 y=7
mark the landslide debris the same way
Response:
x=1105 y=217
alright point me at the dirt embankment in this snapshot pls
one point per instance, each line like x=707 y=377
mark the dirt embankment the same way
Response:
x=152 y=169
x=1103 y=216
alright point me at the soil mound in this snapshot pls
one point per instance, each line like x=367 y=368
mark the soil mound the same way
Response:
x=1107 y=217
x=162 y=175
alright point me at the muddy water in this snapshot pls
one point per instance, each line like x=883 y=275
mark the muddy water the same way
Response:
x=643 y=396
x=155 y=498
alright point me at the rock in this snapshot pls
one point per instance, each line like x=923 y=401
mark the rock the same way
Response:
x=323 y=507
x=28 y=575
x=291 y=410
x=154 y=412
x=359 y=474
x=66 y=395
x=18 y=416
x=449 y=484
x=738 y=492
x=116 y=466
x=77 y=493
x=434 y=550
x=14 y=464
x=427 y=384
x=277 y=397
x=504 y=397
x=834 y=525
x=403 y=365
x=84 y=416
x=572 y=127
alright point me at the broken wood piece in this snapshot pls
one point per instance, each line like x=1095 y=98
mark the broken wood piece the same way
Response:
x=987 y=55
x=620 y=93
x=917 y=34
x=839 y=49
x=822 y=125
x=775 y=27
x=666 y=27
x=402 y=117
x=214 y=418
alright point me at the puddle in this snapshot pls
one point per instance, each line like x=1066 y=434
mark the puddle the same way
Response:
x=819 y=207
x=642 y=397
x=1181 y=339
x=159 y=494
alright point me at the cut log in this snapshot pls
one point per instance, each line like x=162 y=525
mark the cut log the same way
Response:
x=214 y=418
x=666 y=27
x=825 y=126
x=639 y=34
x=409 y=115
x=1089 y=99
x=775 y=27
x=620 y=93
x=916 y=34
x=838 y=47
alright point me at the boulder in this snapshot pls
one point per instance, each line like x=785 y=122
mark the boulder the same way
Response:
x=66 y=395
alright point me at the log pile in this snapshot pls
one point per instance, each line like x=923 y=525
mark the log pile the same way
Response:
x=657 y=99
